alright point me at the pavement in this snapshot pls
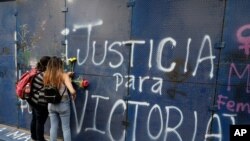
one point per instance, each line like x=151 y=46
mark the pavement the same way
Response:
x=10 y=133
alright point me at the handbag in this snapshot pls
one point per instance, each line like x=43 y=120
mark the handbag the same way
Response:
x=52 y=94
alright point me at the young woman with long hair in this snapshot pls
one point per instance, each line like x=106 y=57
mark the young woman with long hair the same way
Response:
x=55 y=76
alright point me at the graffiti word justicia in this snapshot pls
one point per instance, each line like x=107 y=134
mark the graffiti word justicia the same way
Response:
x=165 y=45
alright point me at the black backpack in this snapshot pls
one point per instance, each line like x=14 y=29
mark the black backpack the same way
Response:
x=52 y=94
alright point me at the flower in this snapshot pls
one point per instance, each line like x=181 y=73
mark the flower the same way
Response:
x=82 y=83
x=72 y=59
x=72 y=62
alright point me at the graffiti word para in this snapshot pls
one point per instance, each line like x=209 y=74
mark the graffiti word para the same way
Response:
x=234 y=69
x=155 y=88
x=231 y=105
x=165 y=128
x=163 y=46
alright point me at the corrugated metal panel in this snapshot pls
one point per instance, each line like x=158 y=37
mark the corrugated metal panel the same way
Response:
x=39 y=26
x=8 y=110
x=97 y=30
x=233 y=89
x=174 y=103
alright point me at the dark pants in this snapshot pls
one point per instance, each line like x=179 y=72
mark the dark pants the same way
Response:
x=39 y=117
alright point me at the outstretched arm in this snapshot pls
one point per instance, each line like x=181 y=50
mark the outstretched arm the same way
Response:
x=68 y=83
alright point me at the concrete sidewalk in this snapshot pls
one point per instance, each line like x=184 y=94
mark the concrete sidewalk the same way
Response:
x=9 y=133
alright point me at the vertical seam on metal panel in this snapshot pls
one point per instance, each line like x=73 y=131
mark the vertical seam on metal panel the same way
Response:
x=65 y=36
x=218 y=65
x=16 y=66
x=130 y=36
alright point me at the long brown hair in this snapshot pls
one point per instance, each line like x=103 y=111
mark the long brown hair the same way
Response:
x=54 y=72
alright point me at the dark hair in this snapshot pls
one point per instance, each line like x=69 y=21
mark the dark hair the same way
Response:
x=42 y=64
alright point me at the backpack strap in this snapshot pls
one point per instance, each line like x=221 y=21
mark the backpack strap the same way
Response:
x=64 y=90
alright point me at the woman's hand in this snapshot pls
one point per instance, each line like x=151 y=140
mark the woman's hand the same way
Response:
x=70 y=74
x=73 y=96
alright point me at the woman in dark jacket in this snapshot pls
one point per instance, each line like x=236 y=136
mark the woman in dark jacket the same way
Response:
x=38 y=103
